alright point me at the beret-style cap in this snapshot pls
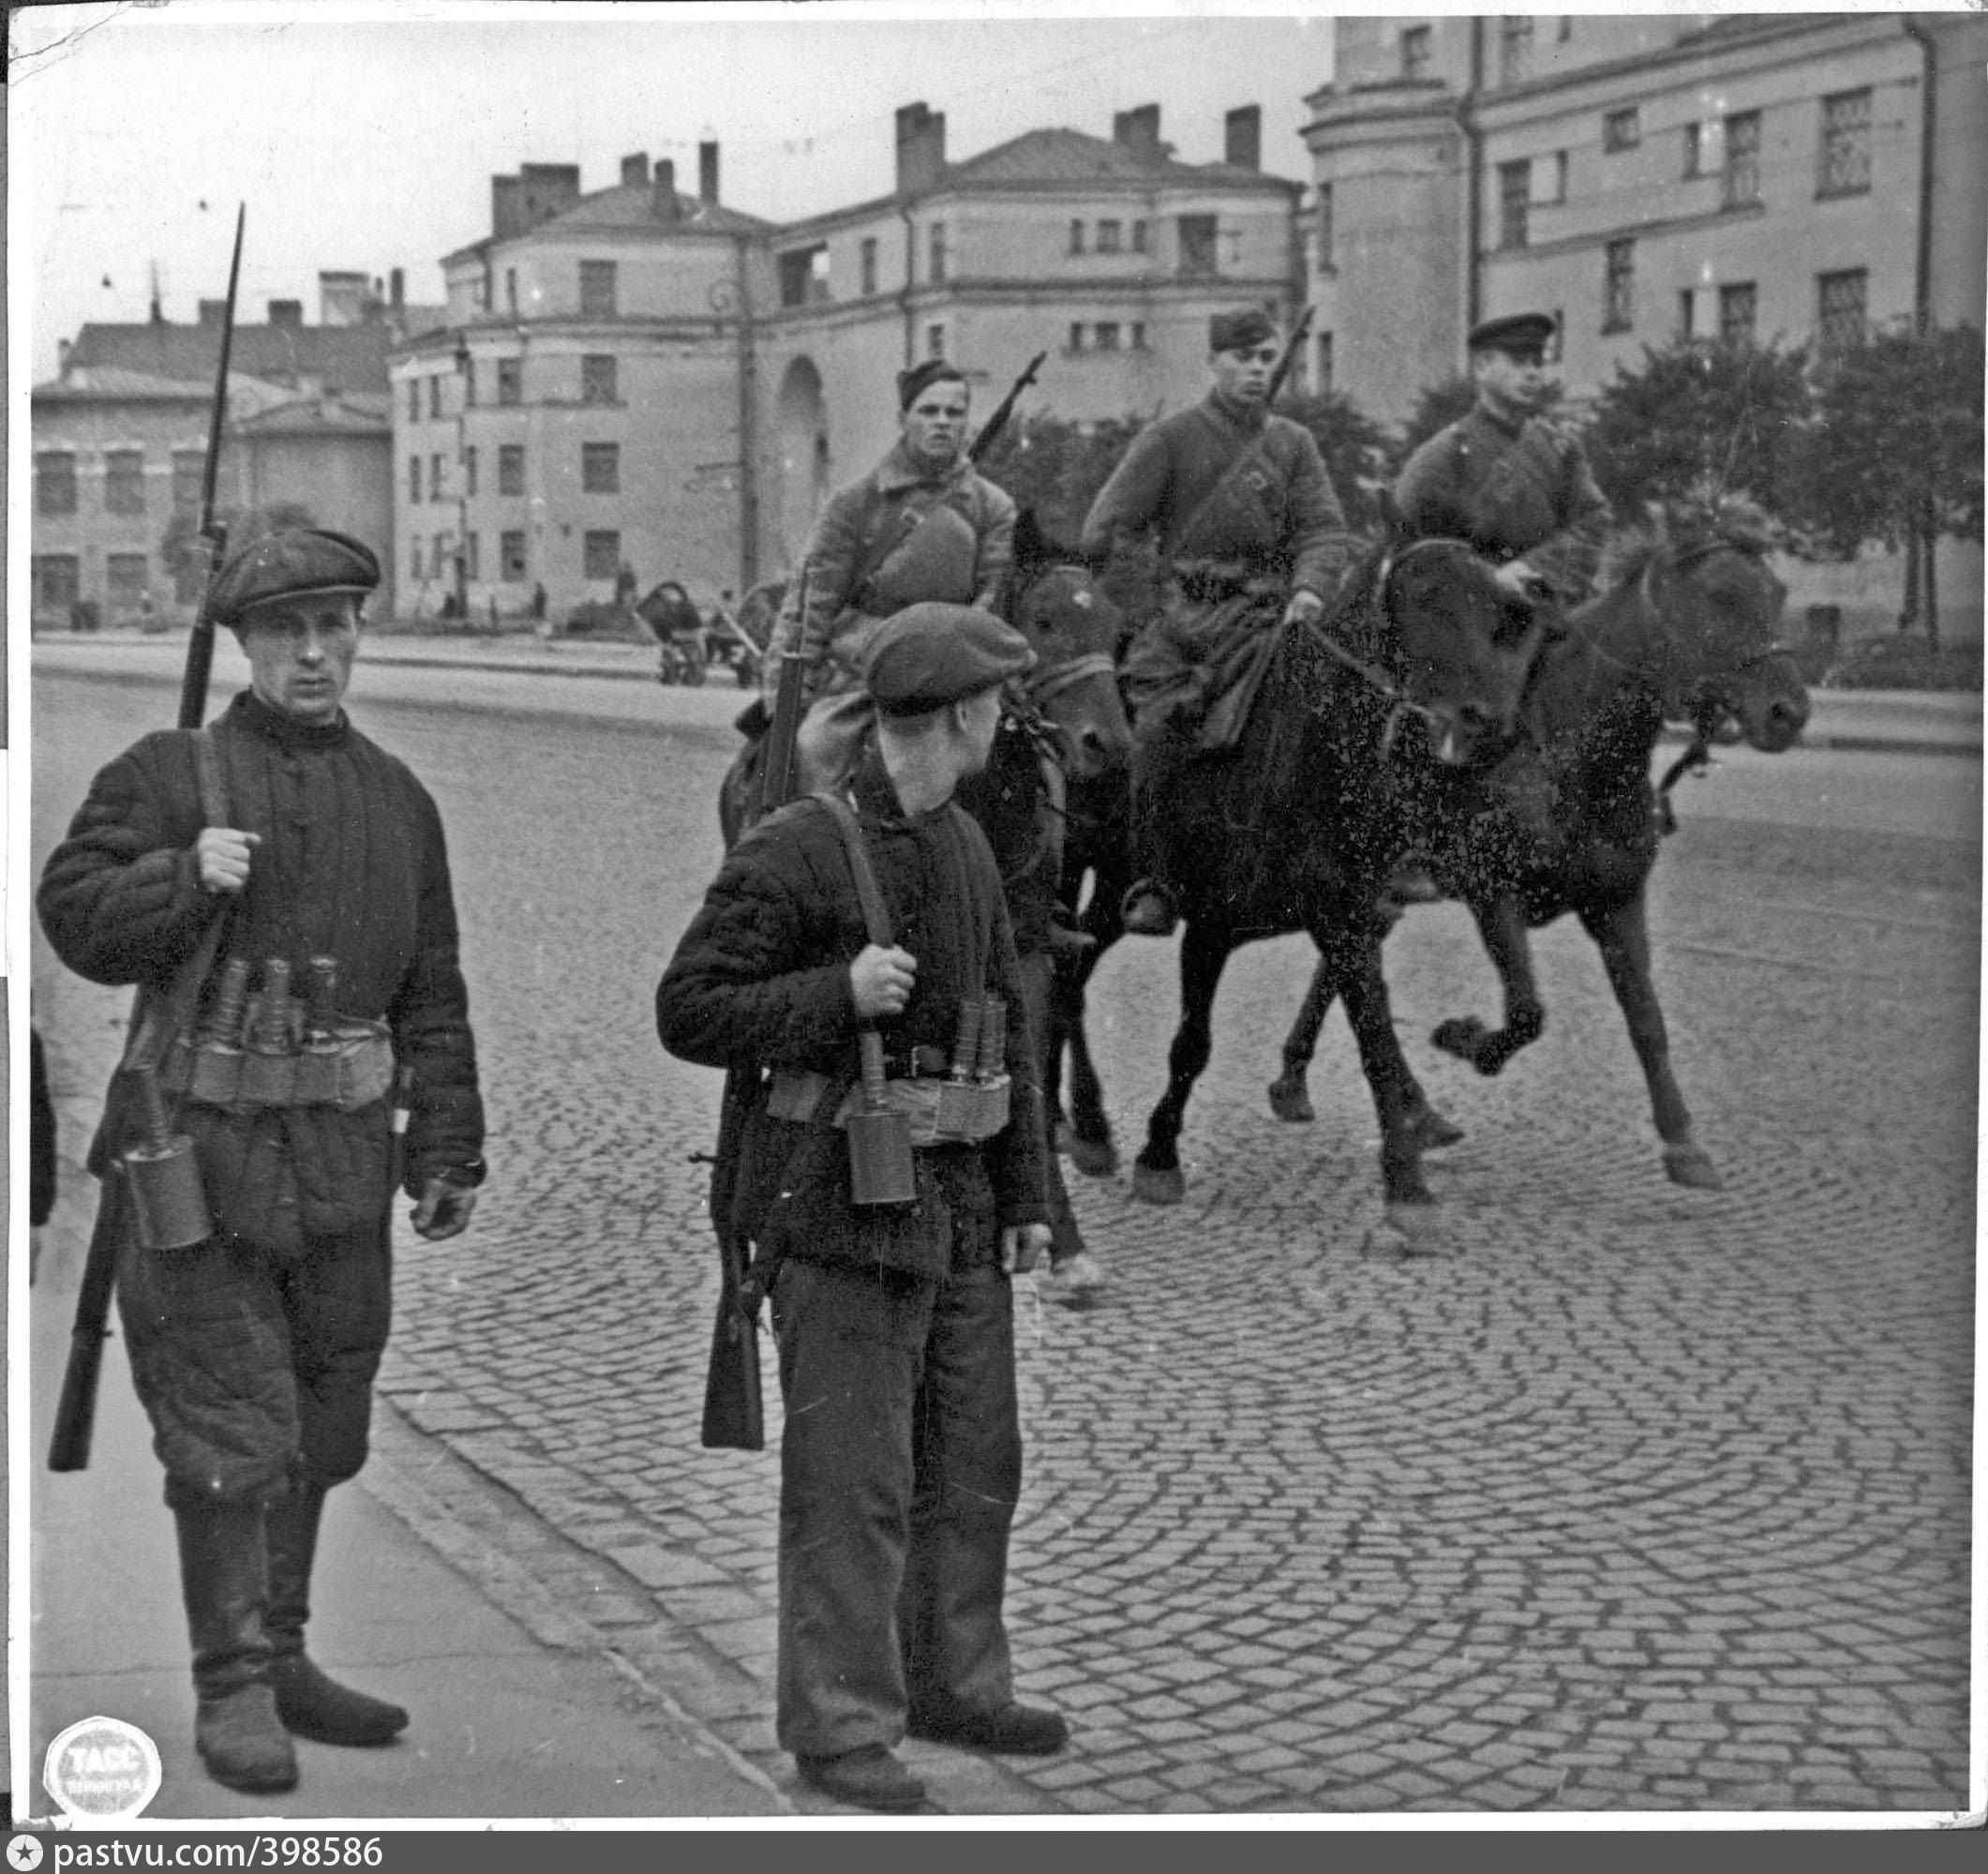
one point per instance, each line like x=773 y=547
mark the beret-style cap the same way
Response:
x=931 y=655
x=1512 y=332
x=1238 y=330
x=912 y=384
x=293 y=563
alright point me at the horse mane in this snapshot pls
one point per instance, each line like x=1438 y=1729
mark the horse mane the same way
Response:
x=1693 y=524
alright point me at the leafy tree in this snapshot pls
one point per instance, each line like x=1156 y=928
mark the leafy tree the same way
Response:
x=1057 y=465
x=1438 y=406
x=1354 y=448
x=1703 y=417
x=184 y=555
x=1895 y=454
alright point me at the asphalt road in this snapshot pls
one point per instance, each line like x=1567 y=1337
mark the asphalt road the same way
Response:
x=1638 y=1498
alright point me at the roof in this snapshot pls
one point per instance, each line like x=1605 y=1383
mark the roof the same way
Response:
x=110 y=384
x=354 y=357
x=354 y=414
x=630 y=205
x=1074 y=155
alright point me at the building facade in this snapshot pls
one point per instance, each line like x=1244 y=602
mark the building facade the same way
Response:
x=1642 y=177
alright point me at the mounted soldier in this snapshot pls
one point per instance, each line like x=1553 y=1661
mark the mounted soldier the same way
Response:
x=1251 y=532
x=922 y=527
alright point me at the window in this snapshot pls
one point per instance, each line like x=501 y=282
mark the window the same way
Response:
x=1139 y=334
x=1076 y=337
x=414 y=563
x=1694 y=150
x=1325 y=260
x=435 y=398
x=1736 y=305
x=934 y=342
x=1415 y=50
x=125 y=578
x=1108 y=335
x=189 y=476
x=601 y=549
x=1138 y=237
x=1846 y=144
x=510 y=380
x=1687 y=299
x=804 y=276
x=123 y=481
x=1622 y=129
x=1514 y=196
x=1515 y=48
x=414 y=478
x=1076 y=237
x=869 y=268
x=1743 y=159
x=597 y=288
x=414 y=399
x=1566 y=28
x=1323 y=385
x=59 y=582
x=936 y=248
x=1840 y=302
x=1619 y=287
x=1197 y=247
x=54 y=482
x=471 y=558
x=468 y=382
x=510 y=288
x=434 y=478
x=1559 y=175
x=511 y=469
x=511 y=551
x=469 y=470
x=1108 y=234
x=599 y=379
x=601 y=468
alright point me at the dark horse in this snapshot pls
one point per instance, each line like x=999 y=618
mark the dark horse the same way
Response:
x=1684 y=633
x=1421 y=668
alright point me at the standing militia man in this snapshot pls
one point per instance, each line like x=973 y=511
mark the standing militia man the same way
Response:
x=1251 y=532
x=920 y=527
x=1513 y=485
x=900 y=1460
x=254 y=1352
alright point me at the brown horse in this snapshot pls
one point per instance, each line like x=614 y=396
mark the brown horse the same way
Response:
x=1685 y=632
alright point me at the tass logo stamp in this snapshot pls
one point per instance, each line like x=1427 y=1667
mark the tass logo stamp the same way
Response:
x=103 y=1769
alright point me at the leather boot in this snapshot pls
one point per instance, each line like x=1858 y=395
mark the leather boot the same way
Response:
x=1147 y=909
x=308 y=1703
x=224 y=1580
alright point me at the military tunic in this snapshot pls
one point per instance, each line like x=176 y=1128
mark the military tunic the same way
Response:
x=1524 y=493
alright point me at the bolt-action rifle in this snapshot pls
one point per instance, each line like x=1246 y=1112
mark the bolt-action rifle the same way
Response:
x=76 y=1410
x=991 y=430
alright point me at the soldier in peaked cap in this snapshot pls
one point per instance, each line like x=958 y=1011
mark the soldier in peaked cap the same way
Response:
x=1251 y=531
x=309 y=856
x=901 y=1462
x=920 y=527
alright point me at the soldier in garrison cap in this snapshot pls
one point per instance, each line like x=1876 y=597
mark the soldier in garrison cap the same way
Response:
x=919 y=526
x=1251 y=534
x=901 y=1463
x=291 y=838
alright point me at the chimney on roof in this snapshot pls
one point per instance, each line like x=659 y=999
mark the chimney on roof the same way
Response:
x=920 y=149
x=507 y=213
x=63 y=348
x=635 y=170
x=213 y=311
x=546 y=189
x=1138 y=131
x=342 y=299
x=708 y=173
x=287 y=312
x=397 y=288
x=1243 y=137
x=663 y=191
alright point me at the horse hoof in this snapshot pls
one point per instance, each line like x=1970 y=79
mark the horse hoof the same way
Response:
x=1095 y=1158
x=1150 y=1186
x=1414 y=1229
x=1430 y=1131
x=1459 y=1036
x=1290 y=1101
x=1691 y=1166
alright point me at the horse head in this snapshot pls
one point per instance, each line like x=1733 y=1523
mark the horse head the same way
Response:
x=1054 y=601
x=1460 y=644
x=1705 y=578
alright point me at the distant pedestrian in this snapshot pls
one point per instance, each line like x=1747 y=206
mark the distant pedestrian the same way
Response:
x=301 y=847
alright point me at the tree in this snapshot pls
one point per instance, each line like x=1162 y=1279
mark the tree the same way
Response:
x=1057 y=465
x=183 y=556
x=1354 y=448
x=1894 y=457
x=1438 y=406
x=1702 y=417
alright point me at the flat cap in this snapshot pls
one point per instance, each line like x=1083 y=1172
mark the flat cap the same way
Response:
x=1239 y=330
x=911 y=384
x=292 y=562
x=931 y=655
x=1513 y=332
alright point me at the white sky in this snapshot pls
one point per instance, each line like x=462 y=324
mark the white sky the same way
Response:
x=364 y=136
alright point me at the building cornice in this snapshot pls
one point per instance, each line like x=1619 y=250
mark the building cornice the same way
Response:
x=1647 y=229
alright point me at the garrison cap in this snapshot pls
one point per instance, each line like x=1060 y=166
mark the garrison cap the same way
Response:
x=293 y=563
x=931 y=654
x=1237 y=331
x=912 y=385
x=1512 y=332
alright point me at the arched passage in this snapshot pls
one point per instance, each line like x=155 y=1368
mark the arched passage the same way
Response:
x=802 y=419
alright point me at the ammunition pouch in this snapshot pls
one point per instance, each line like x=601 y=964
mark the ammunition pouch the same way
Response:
x=941 y=1111
x=348 y=1066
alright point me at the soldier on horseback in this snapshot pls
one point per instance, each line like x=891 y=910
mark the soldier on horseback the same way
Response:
x=1253 y=539
x=920 y=527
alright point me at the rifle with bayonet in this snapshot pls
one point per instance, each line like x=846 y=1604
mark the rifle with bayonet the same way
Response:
x=991 y=430
x=76 y=1410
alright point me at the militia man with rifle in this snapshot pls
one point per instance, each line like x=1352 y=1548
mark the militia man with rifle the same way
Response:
x=921 y=526
x=277 y=886
x=853 y=962
x=1251 y=534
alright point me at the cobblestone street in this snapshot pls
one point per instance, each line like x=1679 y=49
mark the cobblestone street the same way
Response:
x=1635 y=1498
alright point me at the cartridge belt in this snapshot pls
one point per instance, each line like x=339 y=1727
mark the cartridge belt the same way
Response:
x=941 y=1111
x=348 y=1066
